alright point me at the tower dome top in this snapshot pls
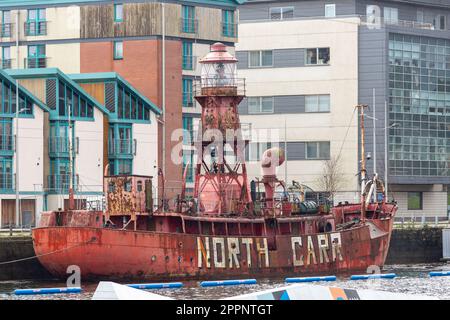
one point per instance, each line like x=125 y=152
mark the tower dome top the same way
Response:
x=218 y=53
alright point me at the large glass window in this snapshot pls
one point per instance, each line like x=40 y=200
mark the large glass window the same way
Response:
x=262 y=58
x=419 y=105
x=68 y=99
x=281 y=13
x=188 y=127
x=8 y=101
x=317 y=103
x=6 y=173
x=260 y=104
x=130 y=106
x=415 y=201
x=318 y=150
x=6 y=136
x=440 y=22
x=318 y=56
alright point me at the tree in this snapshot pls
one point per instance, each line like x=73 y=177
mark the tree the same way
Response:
x=332 y=178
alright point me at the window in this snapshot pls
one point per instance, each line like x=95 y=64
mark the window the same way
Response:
x=260 y=59
x=440 y=22
x=6 y=136
x=68 y=99
x=118 y=12
x=318 y=150
x=130 y=106
x=36 y=24
x=260 y=105
x=59 y=138
x=281 y=13
x=5 y=30
x=229 y=28
x=319 y=103
x=6 y=173
x=255 y=150
x=36 y=56
x=8 y=101
x=118 y=50
x=188 y=127
x=188 y=100
x=188 y=22
x=390 y=15
x=318 y=56
x=6 y=58
x=188 y=59
x=330 y=10
x=415 y=201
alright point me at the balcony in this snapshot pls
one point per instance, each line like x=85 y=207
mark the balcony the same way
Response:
x=36 y=28
x=5 y=30
x=189 y=62
x=121 y=147
x=59 y=183
x=6 y=182
x=5 y=64
x=58 y=146
x=374 y=23
x=229 y=29
x=33 y=63
x=189 y=26
x=6 y=145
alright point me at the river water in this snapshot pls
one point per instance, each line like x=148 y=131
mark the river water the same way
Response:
x=411 y=279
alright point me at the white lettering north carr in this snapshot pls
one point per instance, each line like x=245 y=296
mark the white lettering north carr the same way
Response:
x=231 y=250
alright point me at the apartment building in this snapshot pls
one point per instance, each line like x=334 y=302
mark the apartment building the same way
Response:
x=308 y=63
x=104 y=120
x=27 y=133
x=132 y=38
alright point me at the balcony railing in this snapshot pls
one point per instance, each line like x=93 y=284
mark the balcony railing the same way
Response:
x=121 y=147
x=219 y=86
x=6 y=182
x=5 y=30
x=58 y=145
x=229 y=29
x=59 y=183
x=5 y=63
x=189 y=62
x=6 y=144
x=374 y=22
x=189 y=25
x=33 y=63
x=36 y=28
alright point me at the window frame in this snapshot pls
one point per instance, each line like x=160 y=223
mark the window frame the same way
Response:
x=390 y=10
x=37 y=21
x=420 y=193
x=115 y=56
x=187 y=101
x=188 y=14
x=260 y=59
x=317 y=56
x=317 y=144
x=39 y=55
x=330 y=5
x=260 y=105
x=187 y=59
x=116 y=5
x=318 y=96
x=282 y=9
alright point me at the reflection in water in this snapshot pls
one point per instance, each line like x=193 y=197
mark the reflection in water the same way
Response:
x=411 y=279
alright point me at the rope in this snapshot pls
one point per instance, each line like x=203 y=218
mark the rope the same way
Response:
x=46 y=254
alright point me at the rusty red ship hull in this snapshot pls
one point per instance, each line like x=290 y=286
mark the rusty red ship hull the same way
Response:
x=110 y=253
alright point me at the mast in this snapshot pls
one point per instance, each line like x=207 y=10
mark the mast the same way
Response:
x=363 y=163
x=71 y=196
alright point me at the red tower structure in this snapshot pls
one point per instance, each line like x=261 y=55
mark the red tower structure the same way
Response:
x=221 y=185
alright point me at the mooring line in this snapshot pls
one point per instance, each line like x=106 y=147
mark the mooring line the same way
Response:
x=46 y=254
